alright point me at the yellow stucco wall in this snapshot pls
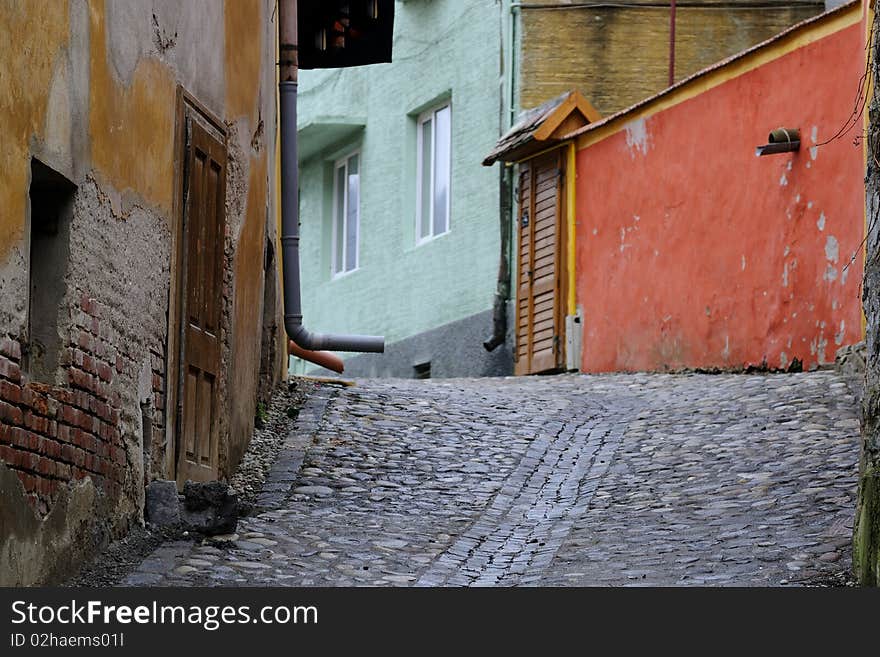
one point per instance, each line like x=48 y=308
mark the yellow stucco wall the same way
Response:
x=27 y=28
x=131 y=126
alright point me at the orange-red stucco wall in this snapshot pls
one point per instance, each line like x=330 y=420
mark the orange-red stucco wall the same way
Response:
x=693 y=252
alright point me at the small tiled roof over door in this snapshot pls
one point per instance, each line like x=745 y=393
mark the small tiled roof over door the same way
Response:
x=543 y=126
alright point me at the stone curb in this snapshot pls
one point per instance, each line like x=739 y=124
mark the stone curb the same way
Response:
x=284 y=471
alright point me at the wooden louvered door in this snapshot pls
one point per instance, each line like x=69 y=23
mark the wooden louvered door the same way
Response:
x=201 y=294
x=539 y=321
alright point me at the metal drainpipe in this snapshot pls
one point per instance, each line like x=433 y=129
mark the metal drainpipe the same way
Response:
x=287 y=88
x=508 y=116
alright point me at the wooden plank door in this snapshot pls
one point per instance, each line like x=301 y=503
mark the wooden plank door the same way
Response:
x=539 y=300
x=201 y=293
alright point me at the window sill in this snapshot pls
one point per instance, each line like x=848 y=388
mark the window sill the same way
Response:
x=432 y=238
x=344 y=274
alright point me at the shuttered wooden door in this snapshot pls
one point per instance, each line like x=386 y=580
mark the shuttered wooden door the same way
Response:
x=202 y=282
x=539 y=321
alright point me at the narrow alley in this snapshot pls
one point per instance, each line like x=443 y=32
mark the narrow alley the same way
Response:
x=690 y=479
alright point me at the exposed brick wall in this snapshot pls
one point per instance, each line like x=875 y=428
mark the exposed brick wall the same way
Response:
x=50 y=435
x=157 y=451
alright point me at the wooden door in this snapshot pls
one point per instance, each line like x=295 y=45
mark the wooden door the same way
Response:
x=539 y=299
x=201 y=294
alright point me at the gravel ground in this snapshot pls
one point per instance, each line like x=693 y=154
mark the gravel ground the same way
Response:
x=122 y=557
x=268 y=439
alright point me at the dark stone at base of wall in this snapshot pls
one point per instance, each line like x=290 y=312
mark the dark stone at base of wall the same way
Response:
x=209 y=508
x=453 y=350
x=162 y=503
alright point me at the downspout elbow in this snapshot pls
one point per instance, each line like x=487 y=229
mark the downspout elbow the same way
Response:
x=305 y=339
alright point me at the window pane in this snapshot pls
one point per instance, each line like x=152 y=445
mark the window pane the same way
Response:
x=441 y=170
x=353 y=201
x=339 y=219
x=425 y=181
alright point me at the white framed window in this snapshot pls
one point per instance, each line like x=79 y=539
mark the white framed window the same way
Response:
x=433 y=168
x=346 y=214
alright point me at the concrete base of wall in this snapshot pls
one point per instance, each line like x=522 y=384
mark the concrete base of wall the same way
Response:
x=35 y=550
x=453 y=350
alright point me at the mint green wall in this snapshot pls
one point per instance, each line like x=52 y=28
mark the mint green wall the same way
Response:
x=442 y=49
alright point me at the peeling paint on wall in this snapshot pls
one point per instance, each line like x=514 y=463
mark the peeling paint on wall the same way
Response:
x=637 y=137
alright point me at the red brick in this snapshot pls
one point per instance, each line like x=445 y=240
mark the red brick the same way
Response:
x=85 y=441
x=69 y=415
x=86 y=342
x=120 y=364
x=10 y=392
x=9 y=456
x=79 y=457
x=10 y=370
x=10 y=348
x=27 y=480
x=62 y=395
x=68 y=453
x=95 y=326
x=35 y=400
x=26 y=440
x=50 y=448
x=47 y=487
x=63 y=433
x=88 y=304
x=82 y=380
x=36 y=423
x=157 y=383
x=46 y=467
x=105 y=372
x=102 y=390
x=159 y=402
x=102 y=410
x=52 y=429
x=81 y=399
x=84 y=421
x=11 y=414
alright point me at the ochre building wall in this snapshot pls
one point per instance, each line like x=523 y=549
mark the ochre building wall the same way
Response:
x=91 y=90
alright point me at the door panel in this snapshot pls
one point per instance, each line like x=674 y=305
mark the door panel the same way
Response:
x=539 y=322
x=203 y=230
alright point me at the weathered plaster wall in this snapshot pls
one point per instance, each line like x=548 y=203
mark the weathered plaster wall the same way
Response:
x=91 y=92
x=692 y=251
x=616 y=56
x=441 y=50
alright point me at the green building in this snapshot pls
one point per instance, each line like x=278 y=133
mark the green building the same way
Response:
x=400 y=222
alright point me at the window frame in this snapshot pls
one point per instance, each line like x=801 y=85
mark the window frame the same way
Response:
x=421 y=119
x=337 y=271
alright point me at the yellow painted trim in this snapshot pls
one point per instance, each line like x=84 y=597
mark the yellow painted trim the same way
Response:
x=711 y=79
x=571 y=212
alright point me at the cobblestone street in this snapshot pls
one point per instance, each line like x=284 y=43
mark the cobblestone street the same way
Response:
x=566 y=480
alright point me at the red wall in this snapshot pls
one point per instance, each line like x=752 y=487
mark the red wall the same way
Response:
x=693 y=252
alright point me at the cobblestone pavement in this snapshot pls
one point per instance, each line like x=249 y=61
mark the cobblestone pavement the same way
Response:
x=566 y=480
